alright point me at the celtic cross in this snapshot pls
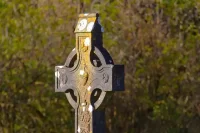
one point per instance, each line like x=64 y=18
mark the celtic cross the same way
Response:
x=89 y=76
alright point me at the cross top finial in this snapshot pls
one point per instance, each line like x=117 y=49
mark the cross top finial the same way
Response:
x=89 y=22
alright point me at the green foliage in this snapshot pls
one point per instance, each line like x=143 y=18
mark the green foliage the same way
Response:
x=157 y=40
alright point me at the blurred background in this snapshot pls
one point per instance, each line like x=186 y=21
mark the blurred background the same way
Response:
x=158 y=41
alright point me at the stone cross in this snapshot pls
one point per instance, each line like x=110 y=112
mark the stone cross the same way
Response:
x=89 y=76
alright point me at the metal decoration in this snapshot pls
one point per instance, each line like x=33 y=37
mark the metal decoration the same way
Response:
x=89 y=76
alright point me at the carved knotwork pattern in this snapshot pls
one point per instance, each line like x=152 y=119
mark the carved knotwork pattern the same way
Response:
x=62 y=77
x=84 y=117
x=84 y=121
x=105 y=77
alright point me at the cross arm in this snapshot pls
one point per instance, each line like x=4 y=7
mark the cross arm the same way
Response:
x=64 y=79
x=109 y=78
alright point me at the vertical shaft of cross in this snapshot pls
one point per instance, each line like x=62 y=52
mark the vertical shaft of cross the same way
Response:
x=84 y=109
